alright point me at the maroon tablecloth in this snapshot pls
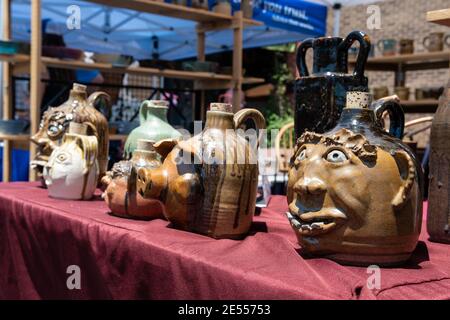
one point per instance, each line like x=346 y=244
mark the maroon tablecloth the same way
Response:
x=121 y=259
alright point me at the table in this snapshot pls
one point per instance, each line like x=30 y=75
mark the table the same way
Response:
x=123 y=259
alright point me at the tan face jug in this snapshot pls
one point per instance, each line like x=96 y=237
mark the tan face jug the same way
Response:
x=208 y=183
x=354 y=193
x=55 y=123
x=121 y=194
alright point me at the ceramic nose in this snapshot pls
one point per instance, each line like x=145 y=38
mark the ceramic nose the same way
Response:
x=310 y=186
x=144 y=182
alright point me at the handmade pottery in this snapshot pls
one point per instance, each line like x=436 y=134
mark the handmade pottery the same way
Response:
x=222 y=7
x=380 y=92
x=320 y=97
x=55 y=121
x=438 y=219
x=406 y=46
x=121 y=194
x=402 y=93
x=354 y=193
x=208 y=183
x=153 y=125
x=435 y=41
x=387 y=47
x=72 y=169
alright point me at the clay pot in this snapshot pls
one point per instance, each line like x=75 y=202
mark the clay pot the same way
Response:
x=438 y=219
x=402 y=93
x=354 y=193
x=222 y=7
x=387 y=47
x=72 y=169
x=380 y=92
x=320 y=96
x=208 y=183
x=153 y=125
x=406 y=46
x=435 y=41
x=55 y=121
x=121 y=195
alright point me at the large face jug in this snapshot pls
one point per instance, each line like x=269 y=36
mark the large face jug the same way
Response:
x=55 y=122
x=208 y=183
x=321 y=96
x=354 y=192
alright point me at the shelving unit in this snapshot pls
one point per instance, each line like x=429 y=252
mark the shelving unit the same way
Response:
x=206 y=21
x=439 y=16
x=400 y=64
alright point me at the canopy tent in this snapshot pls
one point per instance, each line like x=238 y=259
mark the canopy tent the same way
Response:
x=115 y=30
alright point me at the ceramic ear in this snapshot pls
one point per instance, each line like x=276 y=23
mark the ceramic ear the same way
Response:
x=163 y=147
x=408 y=174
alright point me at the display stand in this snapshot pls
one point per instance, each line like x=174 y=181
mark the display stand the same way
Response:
x=207 y=21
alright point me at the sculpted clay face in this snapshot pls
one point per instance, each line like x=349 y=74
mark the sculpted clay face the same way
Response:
x=352 y=199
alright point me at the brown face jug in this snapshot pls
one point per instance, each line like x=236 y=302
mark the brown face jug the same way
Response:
x=354 y=193
x=121 y=195
x=55 y=122
x=208 y=183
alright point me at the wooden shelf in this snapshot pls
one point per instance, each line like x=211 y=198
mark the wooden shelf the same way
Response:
x=14 y=58
x=409 y=62
x=174 y=11
x=14 y=137
x=224 y=79
x=439 y=16
x=420 y=106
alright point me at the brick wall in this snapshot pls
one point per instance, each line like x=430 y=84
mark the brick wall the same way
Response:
x=399 y=19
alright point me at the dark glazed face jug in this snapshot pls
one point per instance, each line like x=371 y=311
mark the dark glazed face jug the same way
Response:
x=321 y=96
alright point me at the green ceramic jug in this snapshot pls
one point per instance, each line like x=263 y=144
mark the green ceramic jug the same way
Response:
x=153 y=125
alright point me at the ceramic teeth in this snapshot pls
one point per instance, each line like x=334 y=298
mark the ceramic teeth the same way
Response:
x=317 y=225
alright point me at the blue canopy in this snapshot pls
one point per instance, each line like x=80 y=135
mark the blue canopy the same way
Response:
x=115 y=30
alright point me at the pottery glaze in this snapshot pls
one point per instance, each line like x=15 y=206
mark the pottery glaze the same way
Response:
x=208 y=183
x=354 y=193
x=153 y=125
x=320 y=96
x=72 y=169
x=121 y=195
x=55 y=122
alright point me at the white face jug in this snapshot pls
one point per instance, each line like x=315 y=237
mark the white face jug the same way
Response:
x=72 y=169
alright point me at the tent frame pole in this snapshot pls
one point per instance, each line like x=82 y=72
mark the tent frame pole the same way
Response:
x=7 y=90
x=35 y=77
x=238 y=27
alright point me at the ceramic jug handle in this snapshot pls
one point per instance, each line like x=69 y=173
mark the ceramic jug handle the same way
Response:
x=364 y=49
x=143 y=111
x=301 y=54
x=426 y=42
x=93 y=99
x=391 y=104
x=241 y=117
x=447 y=40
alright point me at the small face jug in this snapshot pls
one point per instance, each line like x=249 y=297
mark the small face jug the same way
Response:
x=72 y=169
x=153 y=125
x=55 y=123
x=320 y=96
x=354 y=193
x=121 y=194
x=208 y=183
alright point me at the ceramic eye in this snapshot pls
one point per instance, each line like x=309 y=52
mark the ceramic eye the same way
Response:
x=53 y=130
x=302 y=155
x=336 y=156
x=61 y=157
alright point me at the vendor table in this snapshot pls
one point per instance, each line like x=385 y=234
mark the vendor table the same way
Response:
x=125 y=259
